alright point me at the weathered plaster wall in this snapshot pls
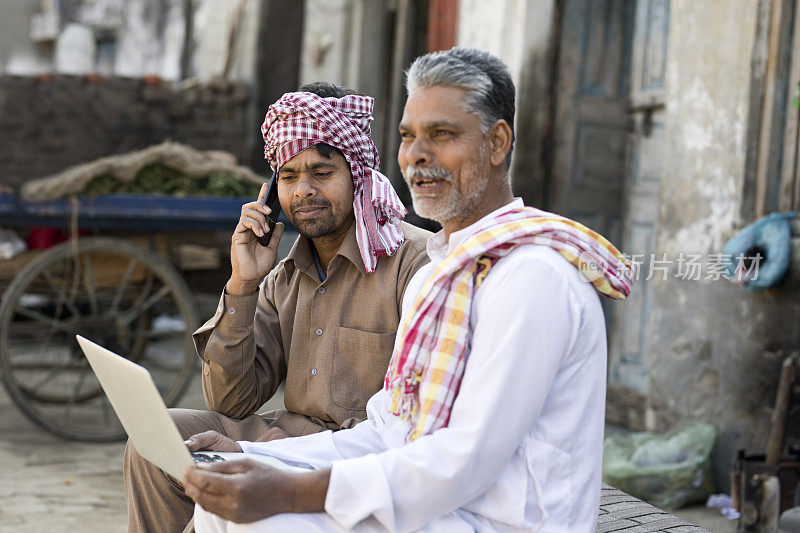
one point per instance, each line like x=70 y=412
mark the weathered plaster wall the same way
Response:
x=18 y=54
x=349 y=43
x=213 y=19
x=326 y=41
x=715 y=351
x=504 y=27
x=149 y=37
x=520 y=32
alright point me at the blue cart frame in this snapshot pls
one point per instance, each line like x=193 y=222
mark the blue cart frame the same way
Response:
x=90 y=315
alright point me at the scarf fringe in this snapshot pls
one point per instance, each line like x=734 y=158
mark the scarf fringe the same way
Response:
x=405 y=400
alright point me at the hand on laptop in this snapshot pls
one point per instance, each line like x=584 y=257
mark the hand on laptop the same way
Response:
x=245 y=490
x=241 y=490
x=211 y=441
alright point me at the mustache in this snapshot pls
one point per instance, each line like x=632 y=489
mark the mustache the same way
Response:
x=309 y=203
x=441 y=173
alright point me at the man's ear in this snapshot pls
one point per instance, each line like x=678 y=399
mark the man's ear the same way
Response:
x=500 y=138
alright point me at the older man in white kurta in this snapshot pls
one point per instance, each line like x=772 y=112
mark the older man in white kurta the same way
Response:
x=525 y=431
x=491 y=418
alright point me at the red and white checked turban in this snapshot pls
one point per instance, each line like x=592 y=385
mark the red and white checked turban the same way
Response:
x=300 y=120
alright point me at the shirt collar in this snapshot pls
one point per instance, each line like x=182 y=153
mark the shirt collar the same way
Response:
x=300 y=256
x=438 y=247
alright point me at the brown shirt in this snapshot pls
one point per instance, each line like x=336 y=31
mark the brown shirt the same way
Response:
x=331 y=341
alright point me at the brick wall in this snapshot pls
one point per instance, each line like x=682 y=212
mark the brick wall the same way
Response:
x=50 y=123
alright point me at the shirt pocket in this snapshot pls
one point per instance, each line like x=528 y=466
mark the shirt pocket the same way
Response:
x=550 y=475
x=359 y=366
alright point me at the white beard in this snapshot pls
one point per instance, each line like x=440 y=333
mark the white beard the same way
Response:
x=453 y=203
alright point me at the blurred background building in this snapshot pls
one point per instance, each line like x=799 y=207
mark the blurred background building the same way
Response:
x=667 y=125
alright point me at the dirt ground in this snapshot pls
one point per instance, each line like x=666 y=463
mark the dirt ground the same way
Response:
x=48 y=484
x=51 y=484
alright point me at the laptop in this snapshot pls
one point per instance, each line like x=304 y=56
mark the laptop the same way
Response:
x=139 y=406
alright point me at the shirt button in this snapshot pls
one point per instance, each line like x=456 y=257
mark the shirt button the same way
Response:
x=313 y=371
x=321 y=290
x=231 y=310
x=318 y=331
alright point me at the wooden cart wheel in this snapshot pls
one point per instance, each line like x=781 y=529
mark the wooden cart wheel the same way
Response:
x=112 y=292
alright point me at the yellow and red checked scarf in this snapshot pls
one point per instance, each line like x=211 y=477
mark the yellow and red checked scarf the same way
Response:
x=428 y=364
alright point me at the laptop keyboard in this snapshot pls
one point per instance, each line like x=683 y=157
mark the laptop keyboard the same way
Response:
x=206 y=458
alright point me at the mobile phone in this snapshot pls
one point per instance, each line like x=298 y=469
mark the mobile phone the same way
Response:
x=271 y=201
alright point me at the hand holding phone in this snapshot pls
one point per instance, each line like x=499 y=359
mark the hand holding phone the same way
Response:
x=250 y=263
x=271 y=201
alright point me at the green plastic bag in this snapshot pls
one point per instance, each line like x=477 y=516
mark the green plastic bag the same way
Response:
x=669 y=470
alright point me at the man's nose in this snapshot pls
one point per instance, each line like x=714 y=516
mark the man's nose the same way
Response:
x=304 y=187
x=418 y=152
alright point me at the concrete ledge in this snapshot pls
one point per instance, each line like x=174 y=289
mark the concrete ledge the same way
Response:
x=622 y=512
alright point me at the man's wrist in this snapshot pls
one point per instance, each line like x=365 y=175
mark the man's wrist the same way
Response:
x=236 y=287
x=309 y=491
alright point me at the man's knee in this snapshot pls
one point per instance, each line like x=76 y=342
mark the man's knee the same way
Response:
x=131 y=459
x=141 y=473
x=188 y=422
x=193 y=421
x=141 y=477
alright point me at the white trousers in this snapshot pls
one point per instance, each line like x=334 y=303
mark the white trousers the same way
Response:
x=205 y=522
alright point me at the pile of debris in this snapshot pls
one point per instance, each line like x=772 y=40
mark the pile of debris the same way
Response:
x=168 y=168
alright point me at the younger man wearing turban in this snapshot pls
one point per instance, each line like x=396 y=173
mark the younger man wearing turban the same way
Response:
x=491 y=415
x=325 y=318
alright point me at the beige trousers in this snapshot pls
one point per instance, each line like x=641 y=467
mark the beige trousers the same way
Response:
x=156 y=501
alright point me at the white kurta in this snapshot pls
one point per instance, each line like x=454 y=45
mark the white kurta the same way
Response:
x=523 y=447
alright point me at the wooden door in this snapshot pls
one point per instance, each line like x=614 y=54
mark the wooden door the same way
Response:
x=592 y=126
x=606 y=134
x=628 y=340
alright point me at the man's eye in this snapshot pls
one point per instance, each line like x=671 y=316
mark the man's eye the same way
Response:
x=323 y=174
x=442 y=133
x=406 y=137
x=286 y=177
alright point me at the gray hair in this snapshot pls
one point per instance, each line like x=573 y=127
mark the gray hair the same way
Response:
x=485 y=79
